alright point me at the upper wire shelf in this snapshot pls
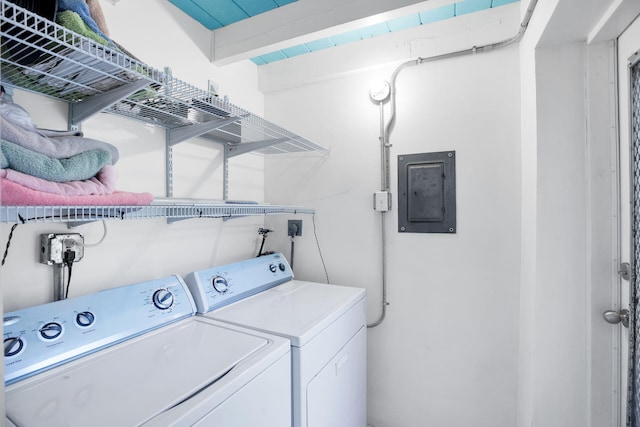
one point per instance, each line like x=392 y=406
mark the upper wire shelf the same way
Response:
x=41 y=56
x=83 y=214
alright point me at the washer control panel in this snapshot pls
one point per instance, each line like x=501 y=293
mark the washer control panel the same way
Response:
x=219 y=286
x=44 y=336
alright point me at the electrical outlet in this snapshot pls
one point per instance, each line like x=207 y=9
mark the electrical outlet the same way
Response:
x=294 y=227
x=54 y=246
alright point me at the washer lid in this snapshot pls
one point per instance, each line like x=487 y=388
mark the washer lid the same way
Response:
x=130 y=383
x=296 y=310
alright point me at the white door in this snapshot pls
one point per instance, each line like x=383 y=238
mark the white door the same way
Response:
x=628 y=46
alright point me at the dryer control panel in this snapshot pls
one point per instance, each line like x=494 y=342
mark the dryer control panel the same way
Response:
x=41 y=337
x=220 y=286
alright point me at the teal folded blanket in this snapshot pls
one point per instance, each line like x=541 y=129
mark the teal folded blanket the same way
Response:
x=79 y=167
x=74 y=22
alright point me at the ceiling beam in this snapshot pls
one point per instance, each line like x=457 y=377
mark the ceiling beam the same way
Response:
x=304 y=21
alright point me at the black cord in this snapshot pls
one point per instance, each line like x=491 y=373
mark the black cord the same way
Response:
x=13 y=227
x=6 y=250
x=69 y=257
x=313 y=218
x=292 y=251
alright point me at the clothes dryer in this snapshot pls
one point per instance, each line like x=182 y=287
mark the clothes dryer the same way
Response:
x=325 y=324
x=137 y=355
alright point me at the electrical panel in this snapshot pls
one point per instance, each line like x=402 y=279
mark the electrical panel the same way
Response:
x=427 y=193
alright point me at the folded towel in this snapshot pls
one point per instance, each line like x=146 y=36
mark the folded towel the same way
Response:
x=103 y=183
x=15 y=113
x=60 y=147
x=80 y=8
x=17 y=127
x=20 y=117
x=75 y=23
x=12 y=194
x=79 y=167
x=95 y=10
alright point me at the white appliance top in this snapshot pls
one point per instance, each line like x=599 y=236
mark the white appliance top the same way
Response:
x=132 y=382
x=295 y=310
x=123 y=356
x=42 y=337
x=259 y=293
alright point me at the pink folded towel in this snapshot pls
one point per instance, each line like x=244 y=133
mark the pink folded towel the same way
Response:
x=103 y=183
x=12 y=194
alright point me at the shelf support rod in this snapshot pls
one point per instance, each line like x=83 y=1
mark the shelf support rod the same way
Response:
x=168 y=168
x=82 y=110
x=183 y=133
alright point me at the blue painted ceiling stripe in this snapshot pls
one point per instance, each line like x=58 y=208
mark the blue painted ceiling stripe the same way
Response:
x=214 y=14
x=196 y=12
x=225 y=11
x=258 y=60
x=497 y=3
x=374 y=30
x=470 y=6
x=348 y=37
x=256 y=7
x=319 y=44
x=285 y=2
x=274 y=56
x=438 y=14
x=404 y=22
x=295 y=50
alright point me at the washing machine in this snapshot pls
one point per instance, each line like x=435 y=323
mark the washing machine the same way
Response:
x=325 y=324
x=138 y=355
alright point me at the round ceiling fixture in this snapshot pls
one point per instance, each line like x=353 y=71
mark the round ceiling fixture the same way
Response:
x=379 y=90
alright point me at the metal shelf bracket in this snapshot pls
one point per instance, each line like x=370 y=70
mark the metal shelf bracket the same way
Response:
x=80 y=111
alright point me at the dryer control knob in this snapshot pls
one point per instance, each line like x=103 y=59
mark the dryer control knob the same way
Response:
x=220 y=284
x=51 y=331
x=13 y=346
x=273 y=268
x=85 y=319
x=163 y=299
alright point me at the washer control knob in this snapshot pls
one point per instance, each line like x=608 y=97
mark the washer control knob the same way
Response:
x=273 y=268
x=85 y=319
x=51 y=331
x=163 y=299
x=282 y=266
x=13 y=346
x=220 y=284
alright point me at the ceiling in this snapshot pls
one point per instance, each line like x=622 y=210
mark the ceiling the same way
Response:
x=220 y=13
x=335 y=25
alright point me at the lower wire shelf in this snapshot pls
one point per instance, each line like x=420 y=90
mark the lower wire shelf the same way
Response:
x=81 y=214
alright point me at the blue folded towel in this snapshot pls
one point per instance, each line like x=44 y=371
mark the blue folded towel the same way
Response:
x=75 y=168
x=81 y=8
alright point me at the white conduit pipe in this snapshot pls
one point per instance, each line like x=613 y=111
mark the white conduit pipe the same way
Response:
x=385 y=130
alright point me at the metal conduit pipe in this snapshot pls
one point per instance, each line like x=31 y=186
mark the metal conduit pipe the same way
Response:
x=384 y=177
x=385 y=130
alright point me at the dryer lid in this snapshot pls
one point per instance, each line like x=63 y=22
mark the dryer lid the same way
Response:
x=296 y=310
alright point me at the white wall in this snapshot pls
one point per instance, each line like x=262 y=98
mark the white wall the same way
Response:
x=446 y=355
x=492 y=326
x=160 y=35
